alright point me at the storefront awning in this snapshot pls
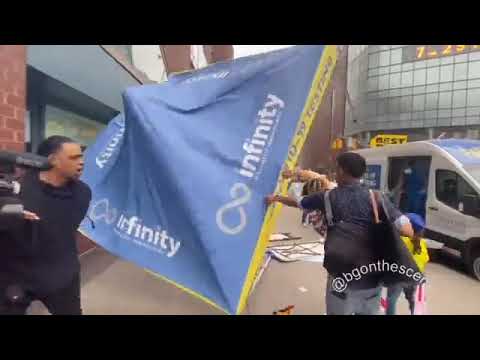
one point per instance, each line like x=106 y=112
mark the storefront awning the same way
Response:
x=86 y=68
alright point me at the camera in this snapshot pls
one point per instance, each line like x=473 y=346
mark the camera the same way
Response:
x=9 y=187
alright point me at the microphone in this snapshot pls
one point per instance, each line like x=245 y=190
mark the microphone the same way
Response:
x=28 y=160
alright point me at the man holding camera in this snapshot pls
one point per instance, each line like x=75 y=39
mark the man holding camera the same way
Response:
x=38 y=254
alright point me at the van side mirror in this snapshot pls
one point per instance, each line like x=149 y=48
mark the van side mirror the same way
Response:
x=470 y=204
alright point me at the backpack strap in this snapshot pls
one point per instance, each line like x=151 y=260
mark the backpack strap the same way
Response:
x=328 y=208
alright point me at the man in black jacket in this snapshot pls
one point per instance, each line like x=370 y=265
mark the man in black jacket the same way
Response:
x=38 y=254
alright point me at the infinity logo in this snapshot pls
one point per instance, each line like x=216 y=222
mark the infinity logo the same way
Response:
x=221 y=75
x=102 y=210
x=241 y=195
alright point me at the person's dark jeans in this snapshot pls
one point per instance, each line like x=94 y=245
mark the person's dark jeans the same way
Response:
x=65 y=301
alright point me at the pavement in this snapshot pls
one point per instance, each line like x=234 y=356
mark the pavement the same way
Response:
x=112 y=286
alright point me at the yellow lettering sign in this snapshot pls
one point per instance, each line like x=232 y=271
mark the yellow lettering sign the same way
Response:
x=382 y=140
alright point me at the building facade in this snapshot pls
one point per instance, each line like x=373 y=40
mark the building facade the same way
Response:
x=75 y=90
x=424 y=91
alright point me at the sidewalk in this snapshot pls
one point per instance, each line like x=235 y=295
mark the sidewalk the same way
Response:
x=111 y=286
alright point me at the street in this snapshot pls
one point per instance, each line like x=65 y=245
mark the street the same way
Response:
x=115 y=287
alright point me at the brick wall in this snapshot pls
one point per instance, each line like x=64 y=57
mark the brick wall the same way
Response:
x=12 y=96
x=218 y=53
x=13 y=83
x=177 y=57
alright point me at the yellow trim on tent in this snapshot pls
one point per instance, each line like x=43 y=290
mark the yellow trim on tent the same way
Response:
x=189 y=291
x=320 y=83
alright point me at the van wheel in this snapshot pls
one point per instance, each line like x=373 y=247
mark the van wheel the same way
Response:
x=434 y=255
x=474 y=263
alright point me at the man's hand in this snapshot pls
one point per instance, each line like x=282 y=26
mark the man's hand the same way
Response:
x=270 y=199
x=28 y=215
x=288 y=174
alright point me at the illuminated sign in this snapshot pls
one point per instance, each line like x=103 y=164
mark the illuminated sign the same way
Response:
x=337 y=144
x=423 y=52
x=473 y=152
x=382 y=140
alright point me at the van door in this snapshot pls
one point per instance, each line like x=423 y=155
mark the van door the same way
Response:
x=408 y=178
x=375 y=176
x=445 y=209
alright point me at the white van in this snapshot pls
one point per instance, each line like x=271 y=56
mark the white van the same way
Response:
x=439 y=179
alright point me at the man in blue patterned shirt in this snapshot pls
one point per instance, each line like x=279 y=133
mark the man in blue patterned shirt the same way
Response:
x=351 y=203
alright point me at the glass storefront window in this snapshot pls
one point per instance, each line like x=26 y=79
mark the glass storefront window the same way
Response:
x=419 y=90
x=383 y=82
x=446 y=113
x=446 y=60
x=418 y=93
x=445 y=100
x=420 y=65
x=446 y=73
x=395 y=68
x=433 y=62
x=461 y=58
x=394 y=105
x=395 y=80
x=395 y=92
x=383 y=70
x=461 y=71
x=431 y=114
x=431 y=88
x=474 y=70
x=373 y=84
x=459 y=98
x=459 y=85
x=474 y=83
x=74 y=126
x=474 y=56
x=433 y=75
x=396 y=57
x=384 y=58
x=372 y=108
x=407 y=91
x=419 y=77
x=406 y=104
x=407 y=78
x=473 y=97
x=446 y=86
x=373 y=60
x=418 y=102
x=431 y=101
